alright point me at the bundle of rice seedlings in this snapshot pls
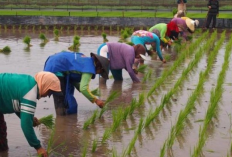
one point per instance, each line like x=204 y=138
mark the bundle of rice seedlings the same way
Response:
x=48 y=121
x=142 y=68
x=6 y=49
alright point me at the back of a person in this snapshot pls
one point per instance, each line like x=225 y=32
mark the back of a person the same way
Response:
x=119 y=53
x=69 y=61
x=13 y=88
x=159 y=26
x=180 y=23
x=144 y=37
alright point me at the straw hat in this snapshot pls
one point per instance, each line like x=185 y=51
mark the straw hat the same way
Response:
x=104 y=63
x=191 y=24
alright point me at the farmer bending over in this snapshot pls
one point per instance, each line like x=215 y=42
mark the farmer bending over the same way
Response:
x=75 y=70
x=122 y=56
x=166 y=32
x=18 y=94
x=144 y=37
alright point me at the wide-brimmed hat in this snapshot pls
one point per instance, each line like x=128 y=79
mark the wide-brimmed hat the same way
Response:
x=104 y=63
x=191 y=24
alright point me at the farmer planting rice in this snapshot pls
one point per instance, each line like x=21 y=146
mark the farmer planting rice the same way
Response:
x=185 y=25
x=75 y=70
x=122 y=56
x=144 y=37
x=18 y=95
x=166 y=32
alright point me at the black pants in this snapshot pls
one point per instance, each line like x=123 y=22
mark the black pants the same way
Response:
x=59 y=101
x=3 y=134
x=209 y=19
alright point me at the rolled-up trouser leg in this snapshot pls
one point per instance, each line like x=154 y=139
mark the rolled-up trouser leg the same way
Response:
x=3 y=134
x=59 y=101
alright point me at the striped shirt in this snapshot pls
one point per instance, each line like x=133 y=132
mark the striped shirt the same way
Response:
x=18 y=94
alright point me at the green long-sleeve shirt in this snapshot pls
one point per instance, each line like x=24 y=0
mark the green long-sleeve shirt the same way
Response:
x=162 y=28
x=83 y=86
x=18 y=94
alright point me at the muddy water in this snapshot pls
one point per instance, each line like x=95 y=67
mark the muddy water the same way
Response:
x=68 y=129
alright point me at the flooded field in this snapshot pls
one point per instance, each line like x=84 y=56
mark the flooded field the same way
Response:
x=172 y=119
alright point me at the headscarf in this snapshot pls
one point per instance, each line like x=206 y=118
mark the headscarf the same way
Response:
x=139 y=49
x=171 y=26
x=47 y=81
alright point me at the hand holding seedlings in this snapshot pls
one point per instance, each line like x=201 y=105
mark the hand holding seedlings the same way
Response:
x=99 y=103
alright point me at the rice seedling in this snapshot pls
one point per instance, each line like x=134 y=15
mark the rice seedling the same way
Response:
x=94 y=145
x=103 y=28
x=176 y=64
x=51 y=141
x=167 y=57
x=133 y=105
x=140 y=126
x=20 y=27
x=27 y=41
x=61 y=28
x=76 y=44
x=104 y=37
x=86 y=124
x=132 y=144
x=84 y=150
x=48 y=121
x=6 y=49
x=142 y=68
x=106 y=135
x=117 y=118
x=96 y=27
x=43 y=38
x=114 y=153
x=141 y=99
x=216 y=94
x=91 y=120
x=113 y=95
x=5 y=27
x=56 y=33
x=126 y=113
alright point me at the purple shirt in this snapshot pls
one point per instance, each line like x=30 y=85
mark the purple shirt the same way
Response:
x=181 y=25
x=122 y=56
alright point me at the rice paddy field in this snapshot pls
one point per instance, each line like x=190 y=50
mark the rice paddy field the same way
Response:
x=180 y=109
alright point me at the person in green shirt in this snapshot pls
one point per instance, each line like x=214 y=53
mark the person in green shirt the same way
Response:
x=75 y=70
x=18 y=94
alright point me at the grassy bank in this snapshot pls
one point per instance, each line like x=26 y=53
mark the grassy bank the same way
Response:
x=104 y=14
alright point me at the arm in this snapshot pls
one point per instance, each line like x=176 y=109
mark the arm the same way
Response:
x=84 y=89
x=27 y=127
x=84 y=86
x=157 y=41
x=129 y=65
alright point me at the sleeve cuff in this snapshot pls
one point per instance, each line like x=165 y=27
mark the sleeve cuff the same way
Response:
x=37 y=147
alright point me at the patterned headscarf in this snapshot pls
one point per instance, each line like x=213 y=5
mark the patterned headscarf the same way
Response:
x=47 y=81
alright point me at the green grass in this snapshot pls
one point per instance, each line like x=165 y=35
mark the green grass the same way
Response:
x=104 y=14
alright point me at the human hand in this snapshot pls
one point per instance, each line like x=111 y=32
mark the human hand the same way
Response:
x=135 y=71
x=164 y=61
x=42 y=152
x=35 y=122
x=209 y=7
x=99 y=103
x=169 y=42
